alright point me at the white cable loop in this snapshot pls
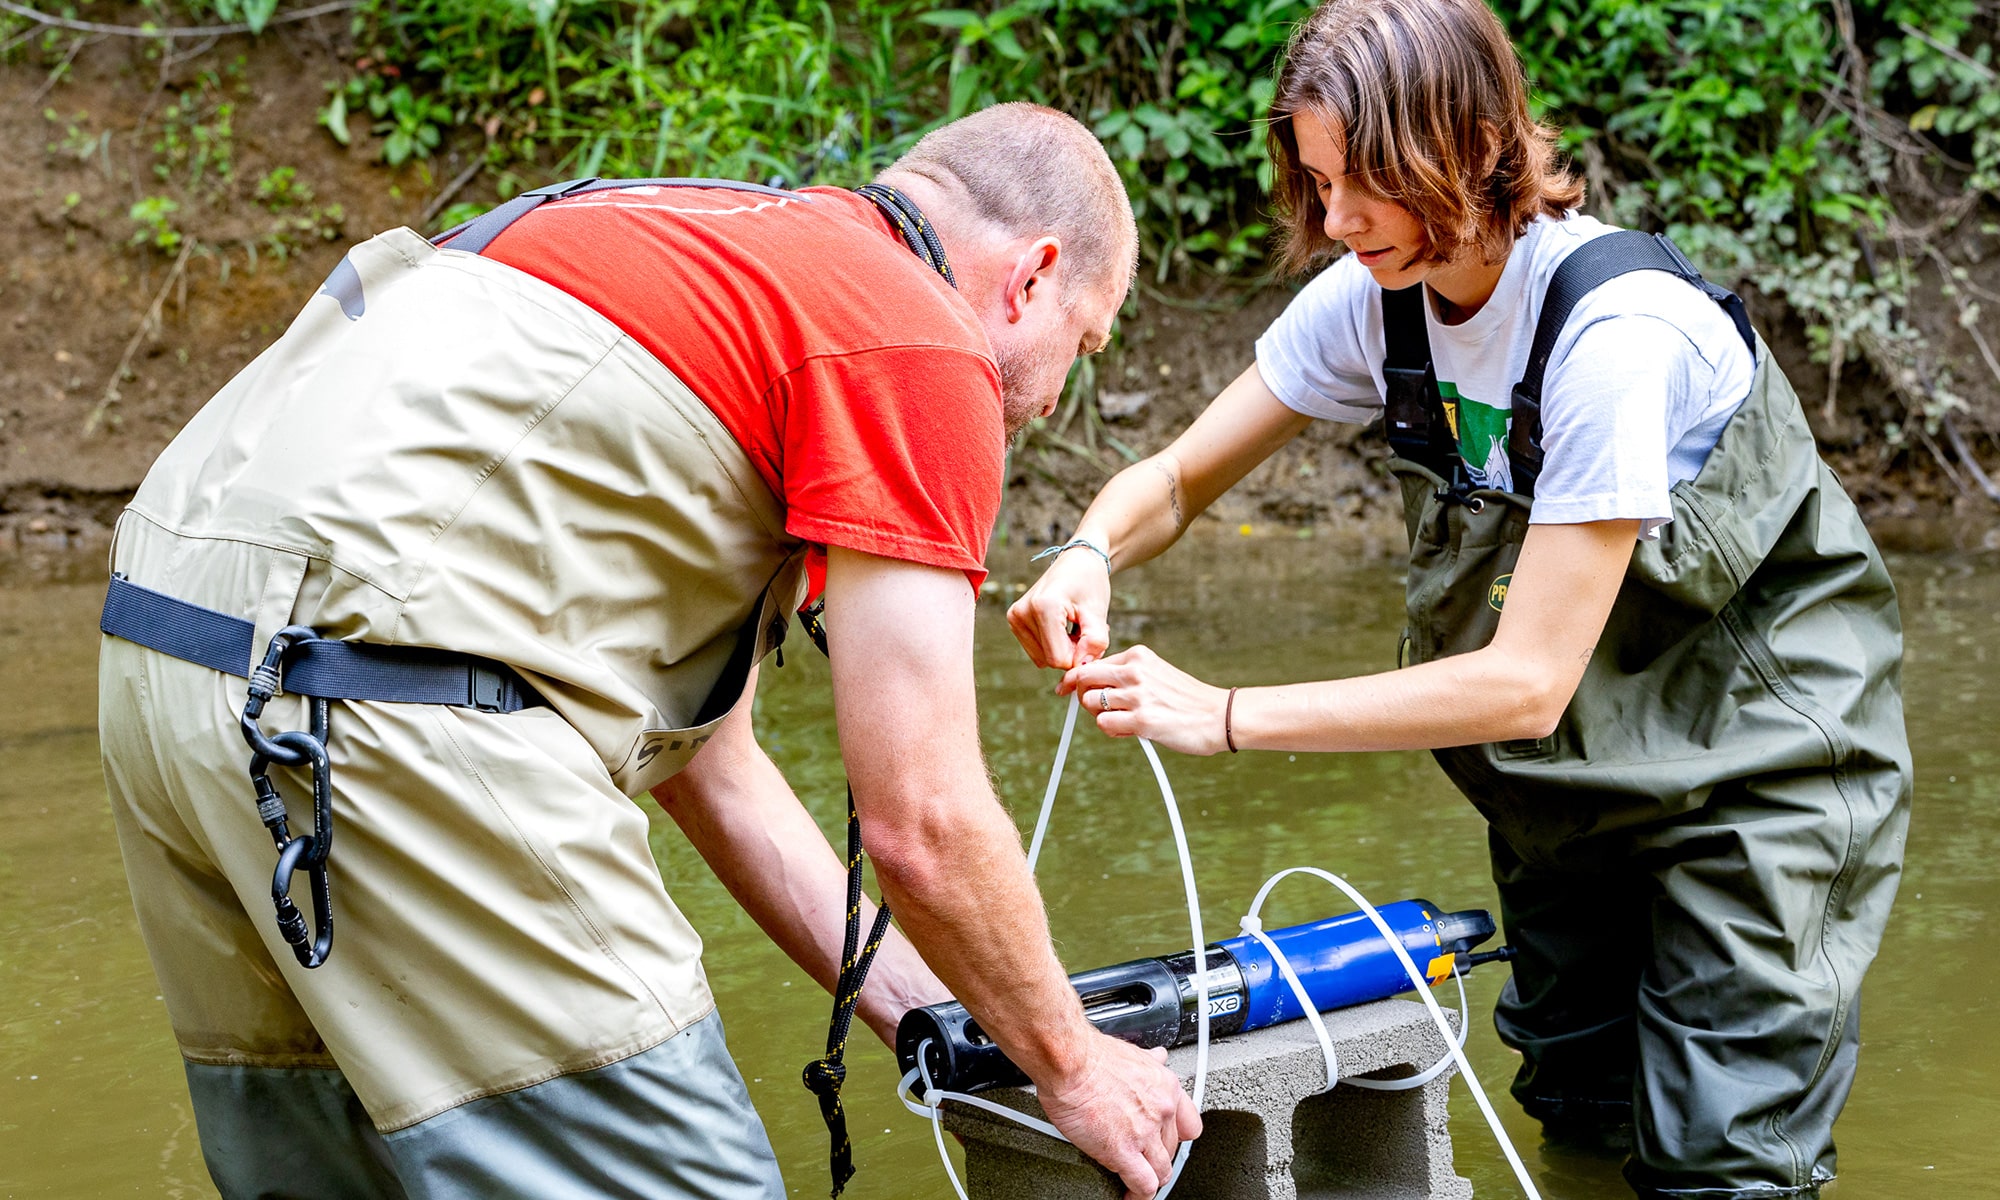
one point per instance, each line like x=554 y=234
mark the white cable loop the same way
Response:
x=1453 y=1045
x=1252 y=924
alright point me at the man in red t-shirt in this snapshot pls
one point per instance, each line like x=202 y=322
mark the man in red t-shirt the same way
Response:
x=529 y=453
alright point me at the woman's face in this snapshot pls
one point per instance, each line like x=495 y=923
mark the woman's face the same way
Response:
x=1382 y=234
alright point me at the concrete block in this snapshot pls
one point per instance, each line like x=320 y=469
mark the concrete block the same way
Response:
x=1270 y=1130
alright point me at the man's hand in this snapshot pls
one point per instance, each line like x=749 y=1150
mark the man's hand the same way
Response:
x=950 y=863
x=1112 y=1109
x=1074 y=594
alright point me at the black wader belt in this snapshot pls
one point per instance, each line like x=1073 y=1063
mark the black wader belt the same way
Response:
x=1417 y=425
x=299 y=661
x=320 y=667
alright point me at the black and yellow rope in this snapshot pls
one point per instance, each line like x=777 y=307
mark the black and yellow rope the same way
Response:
x=823 y=1076
x=909 y=220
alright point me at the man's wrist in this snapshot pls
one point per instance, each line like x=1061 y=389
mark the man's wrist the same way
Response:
x=1060 y=1052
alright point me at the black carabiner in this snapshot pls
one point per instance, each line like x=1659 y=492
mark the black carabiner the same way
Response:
x=293 y=748
x=291 y=923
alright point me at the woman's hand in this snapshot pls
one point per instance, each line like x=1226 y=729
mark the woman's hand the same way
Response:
x=1136 y=693
x=1063 y=621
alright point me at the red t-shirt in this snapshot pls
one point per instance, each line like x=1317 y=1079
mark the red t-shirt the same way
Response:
x=859 y=383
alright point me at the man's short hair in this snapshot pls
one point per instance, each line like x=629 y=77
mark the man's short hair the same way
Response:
x=1027 y=171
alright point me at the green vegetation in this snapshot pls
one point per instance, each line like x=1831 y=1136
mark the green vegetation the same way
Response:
x=1823 y=152
x=1826 y=152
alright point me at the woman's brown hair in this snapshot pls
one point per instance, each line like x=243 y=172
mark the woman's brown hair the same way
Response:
x=1430 y=108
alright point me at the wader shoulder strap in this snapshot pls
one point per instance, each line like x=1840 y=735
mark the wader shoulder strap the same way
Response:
x=475 y=235
x=1595 y=263
x=1412 y=410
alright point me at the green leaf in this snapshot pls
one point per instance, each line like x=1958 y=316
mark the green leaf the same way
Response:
x=950 y=18
x=334 y=117
x=1004 y=41
x=257 y=13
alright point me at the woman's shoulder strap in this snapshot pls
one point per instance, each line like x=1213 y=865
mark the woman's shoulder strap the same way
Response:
x=1596 y=263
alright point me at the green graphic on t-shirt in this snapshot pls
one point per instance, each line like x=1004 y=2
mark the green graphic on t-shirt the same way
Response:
x=1482 y=437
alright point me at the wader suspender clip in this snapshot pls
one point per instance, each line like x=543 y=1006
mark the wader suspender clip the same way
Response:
x=1417 y=425
x=823 y=1076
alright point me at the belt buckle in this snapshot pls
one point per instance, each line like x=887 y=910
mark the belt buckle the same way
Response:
x=488 y=689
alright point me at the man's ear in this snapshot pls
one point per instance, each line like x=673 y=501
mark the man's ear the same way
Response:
x=1034 y=276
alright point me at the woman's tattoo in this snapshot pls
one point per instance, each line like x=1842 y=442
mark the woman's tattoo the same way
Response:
x=1173 y=494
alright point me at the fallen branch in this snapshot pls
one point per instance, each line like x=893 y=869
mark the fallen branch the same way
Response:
x=443 y=198
x=169 y=31
x=147 y=324
x=61 y=69
x=1951 y=52
x=1966 y=458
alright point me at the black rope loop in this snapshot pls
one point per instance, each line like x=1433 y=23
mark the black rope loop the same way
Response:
x=918 y=233
x=824 y=1076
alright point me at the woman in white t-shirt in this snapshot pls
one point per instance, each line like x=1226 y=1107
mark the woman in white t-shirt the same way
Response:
x=1649 y=637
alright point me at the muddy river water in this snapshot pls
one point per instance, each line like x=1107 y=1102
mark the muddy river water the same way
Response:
x=91 y=1095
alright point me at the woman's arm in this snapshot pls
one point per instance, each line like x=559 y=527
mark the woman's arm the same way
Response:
x=1518 y=686
x=1142 y=511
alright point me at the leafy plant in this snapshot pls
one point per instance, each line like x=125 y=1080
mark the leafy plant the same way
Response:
x=154 y=217
x=196 y=145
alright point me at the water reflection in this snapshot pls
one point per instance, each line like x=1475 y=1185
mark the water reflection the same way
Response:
x=91 y=1099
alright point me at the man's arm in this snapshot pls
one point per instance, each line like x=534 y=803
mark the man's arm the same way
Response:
x=743 y=818
x=951 y=866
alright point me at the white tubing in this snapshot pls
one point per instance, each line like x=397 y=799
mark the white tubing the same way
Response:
x=1200 y=959
x=1055 y=780
x=1252 y=924
x=931 y=1105
x=1423 y=993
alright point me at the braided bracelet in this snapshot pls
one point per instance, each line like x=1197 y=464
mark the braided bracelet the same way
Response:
x=1073 y=544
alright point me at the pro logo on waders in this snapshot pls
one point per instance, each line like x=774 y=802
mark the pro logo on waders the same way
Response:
x=1496 y=592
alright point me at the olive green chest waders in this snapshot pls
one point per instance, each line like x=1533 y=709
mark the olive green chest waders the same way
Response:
x=444 y=465
x=1697 y=865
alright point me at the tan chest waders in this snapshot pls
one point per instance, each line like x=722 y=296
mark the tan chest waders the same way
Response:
x=491 y=569
x=1697 y=865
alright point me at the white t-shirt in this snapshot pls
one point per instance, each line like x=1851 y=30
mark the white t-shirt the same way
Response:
x=1645 y=375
